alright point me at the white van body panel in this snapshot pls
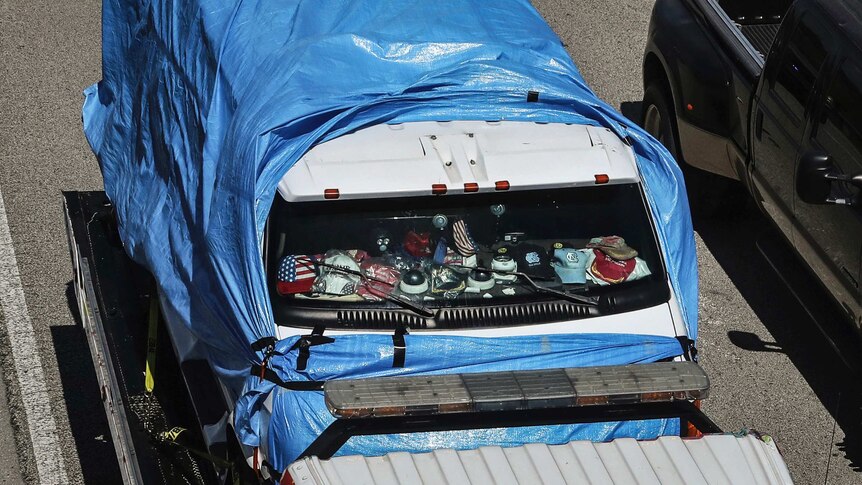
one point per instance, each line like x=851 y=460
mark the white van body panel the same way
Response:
x=407 y=159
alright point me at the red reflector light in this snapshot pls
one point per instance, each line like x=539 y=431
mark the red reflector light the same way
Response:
x=331 y=194
x=602 y=178
x=502 y=185
x=471 y=187
x=691 y=430
x=438 y=189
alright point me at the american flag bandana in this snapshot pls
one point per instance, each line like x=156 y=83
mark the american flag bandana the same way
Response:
x=296 y=274
x=464 y=243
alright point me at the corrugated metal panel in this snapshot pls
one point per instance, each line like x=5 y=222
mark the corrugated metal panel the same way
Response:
x=713 y=459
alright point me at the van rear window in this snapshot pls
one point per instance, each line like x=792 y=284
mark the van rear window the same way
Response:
x=436 y=250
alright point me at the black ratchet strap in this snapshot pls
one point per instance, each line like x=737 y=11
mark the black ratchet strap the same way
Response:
x=265 y=345
x=305 y=343
x=688 y=348
x=400 y=353
x=272 y=376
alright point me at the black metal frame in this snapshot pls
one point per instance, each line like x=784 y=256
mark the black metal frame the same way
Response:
x=337 y=434
x=114 y=295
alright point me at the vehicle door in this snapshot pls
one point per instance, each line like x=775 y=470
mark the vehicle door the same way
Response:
x=781 y=111
x=829 y=236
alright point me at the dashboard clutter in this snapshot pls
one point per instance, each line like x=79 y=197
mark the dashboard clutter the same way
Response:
x=418 y=245
x=440 y=221
x=531 y=260
x=446 y=281
x=480 y=280
x=503 y=265
x=382 y=242
x=332 y=281
x=380 y=279
x=414 y=282
x=610 y=270
x=570 y=265
x=442 y=251
x=465 y=245
x=296 y=274
x=613 y=261
x=613 y=246
x=448 y=273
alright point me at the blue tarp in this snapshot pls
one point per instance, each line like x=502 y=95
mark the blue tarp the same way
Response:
x=204 y=105
x=298 y=417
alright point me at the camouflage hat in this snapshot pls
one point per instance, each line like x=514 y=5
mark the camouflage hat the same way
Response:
x=613 y=246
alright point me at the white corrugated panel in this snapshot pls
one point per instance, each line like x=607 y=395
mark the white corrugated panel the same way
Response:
x=713 y=459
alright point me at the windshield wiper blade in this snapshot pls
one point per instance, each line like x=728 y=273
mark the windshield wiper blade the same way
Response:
x=397 y=299
x=579 y=299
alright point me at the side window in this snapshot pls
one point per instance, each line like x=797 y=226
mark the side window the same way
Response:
x=798 y=68
x=837 y=130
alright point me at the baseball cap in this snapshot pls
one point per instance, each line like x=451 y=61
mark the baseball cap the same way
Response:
x=609 y=270
x=532 y=260
x=613 y=246
x=571 y=265
x=334 y=282
x=296 y=274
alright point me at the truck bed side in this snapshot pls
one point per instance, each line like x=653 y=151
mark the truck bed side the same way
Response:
x=156 y=434
x=756 y=22
x=711 y=53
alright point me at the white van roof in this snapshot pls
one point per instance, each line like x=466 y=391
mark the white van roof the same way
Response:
x=719 y=458
x=408 y=159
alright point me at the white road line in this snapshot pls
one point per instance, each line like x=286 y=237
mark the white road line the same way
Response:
x=28 y=366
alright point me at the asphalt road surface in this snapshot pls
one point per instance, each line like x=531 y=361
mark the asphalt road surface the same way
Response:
x=771 y=368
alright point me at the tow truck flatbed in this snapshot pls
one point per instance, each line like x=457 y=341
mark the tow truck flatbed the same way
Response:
x=114 y=300
x=159 y=430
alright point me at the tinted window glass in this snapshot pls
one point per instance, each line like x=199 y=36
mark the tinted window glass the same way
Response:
x=799 y=66
x=838 y=128
x=842 y=118
x=438 y=239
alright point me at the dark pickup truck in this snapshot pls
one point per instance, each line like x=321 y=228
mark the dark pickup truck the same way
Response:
x=769 y=93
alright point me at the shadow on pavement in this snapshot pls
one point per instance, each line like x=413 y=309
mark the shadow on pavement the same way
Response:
x=87 y=418
x=817 y=338
x=632 y=110
x=751 y=342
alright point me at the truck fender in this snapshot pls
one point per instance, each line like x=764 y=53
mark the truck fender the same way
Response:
x=697 y=81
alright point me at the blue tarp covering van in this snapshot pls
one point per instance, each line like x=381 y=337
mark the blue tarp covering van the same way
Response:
x=205 y=105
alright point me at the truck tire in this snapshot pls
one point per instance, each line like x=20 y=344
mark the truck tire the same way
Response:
x=709 y=195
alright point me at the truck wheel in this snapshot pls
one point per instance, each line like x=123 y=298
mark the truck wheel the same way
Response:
x=657 y=119
x=709 y=195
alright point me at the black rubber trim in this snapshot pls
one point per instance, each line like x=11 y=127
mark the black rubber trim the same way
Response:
x=359 y=316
